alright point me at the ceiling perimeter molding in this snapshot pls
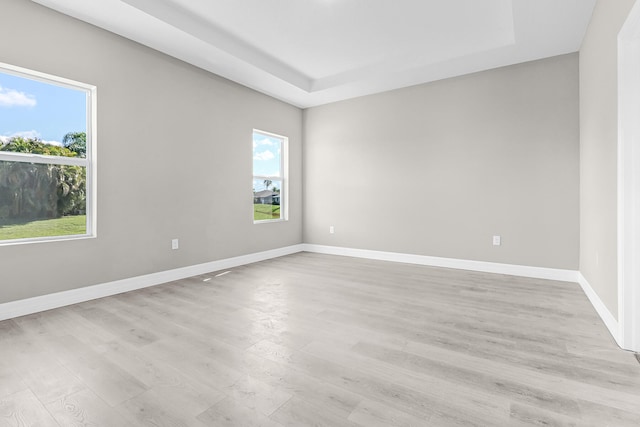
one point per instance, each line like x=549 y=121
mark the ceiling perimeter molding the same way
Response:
x=208 y=31
x=313 y=52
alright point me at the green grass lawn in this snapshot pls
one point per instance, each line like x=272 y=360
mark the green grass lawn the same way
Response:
x=65 y=226
x=261 y=212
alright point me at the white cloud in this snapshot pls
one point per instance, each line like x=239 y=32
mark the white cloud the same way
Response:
x=265 y=155
x=264 y=141
x=58 y=143
x=28 y=134
x=13 y=98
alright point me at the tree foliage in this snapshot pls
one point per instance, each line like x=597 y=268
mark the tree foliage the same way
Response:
x=76 y=142
x=40 y=191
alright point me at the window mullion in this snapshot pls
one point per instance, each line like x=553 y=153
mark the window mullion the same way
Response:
x=9 y=156
x=271 y=178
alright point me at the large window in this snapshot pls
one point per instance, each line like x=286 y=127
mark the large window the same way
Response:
x=47 y=185
x=269 y=177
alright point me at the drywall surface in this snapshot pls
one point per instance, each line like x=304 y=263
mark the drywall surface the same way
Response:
x=440 y=168
x=598 y=149
x=174 y=159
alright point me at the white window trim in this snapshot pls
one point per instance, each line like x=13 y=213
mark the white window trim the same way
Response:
x=284 y=170
x=42 y=159
x=89 y=162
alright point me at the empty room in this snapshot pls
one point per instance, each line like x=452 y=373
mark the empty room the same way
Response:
x=319 y=213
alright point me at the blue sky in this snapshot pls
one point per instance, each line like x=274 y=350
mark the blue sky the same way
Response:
x=266 y=158
x=34 y=109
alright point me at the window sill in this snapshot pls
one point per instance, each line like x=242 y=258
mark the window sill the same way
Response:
x=269 y=221
x=32 y=240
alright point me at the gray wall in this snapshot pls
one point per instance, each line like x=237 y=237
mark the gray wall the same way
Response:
x=437 y=169
x=434 y=169
x=174 y=146
x=598 y=149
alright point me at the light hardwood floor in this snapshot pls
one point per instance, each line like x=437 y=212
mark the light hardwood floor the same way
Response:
x=317 y=340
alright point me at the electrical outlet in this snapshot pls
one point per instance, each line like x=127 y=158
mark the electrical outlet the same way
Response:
x=331 y=229
x=175 y=244
x=496 y=241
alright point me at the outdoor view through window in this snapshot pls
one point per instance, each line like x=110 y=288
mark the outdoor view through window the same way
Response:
x=268 y=176
x=44 y=158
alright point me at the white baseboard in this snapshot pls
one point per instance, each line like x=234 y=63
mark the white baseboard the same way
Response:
x=60 y=299
x=607 y=318
x=488 y=267
x=23 y=307
x=460 y=264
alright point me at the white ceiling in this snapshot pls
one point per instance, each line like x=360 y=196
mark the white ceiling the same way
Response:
x=311 y=52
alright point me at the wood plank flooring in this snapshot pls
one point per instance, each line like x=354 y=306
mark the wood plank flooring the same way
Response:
x=318 y=340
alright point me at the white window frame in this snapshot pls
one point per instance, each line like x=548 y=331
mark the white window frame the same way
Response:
x=284 y=172
x=89 y=162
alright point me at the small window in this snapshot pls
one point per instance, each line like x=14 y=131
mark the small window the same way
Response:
x=46 y=157
x=269 y=177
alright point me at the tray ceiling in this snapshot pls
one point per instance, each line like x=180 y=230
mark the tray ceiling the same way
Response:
x=313 y=52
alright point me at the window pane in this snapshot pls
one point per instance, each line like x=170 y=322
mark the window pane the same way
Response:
x=266 y=199
x=33 y=110
x=41 y=200
x=267 y=152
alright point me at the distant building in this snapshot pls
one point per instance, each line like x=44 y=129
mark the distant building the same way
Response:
x=266 y=197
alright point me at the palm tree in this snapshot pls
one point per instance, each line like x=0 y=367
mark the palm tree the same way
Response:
x=267 y=183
